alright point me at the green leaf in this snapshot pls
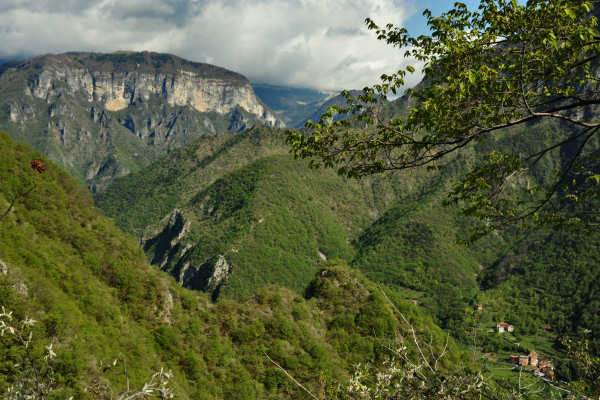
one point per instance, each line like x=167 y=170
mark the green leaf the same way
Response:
x=569 y=11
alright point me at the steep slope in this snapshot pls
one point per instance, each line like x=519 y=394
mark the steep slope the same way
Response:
x=270 y=222
x=548 y=281
x=96 y=299
x=230 y=215
x=414 y=248
x=542 y=281
x=103 y=115
x=143 y=198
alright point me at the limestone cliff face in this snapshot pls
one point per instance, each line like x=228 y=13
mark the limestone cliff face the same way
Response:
x=117 y=90
x=104 y=115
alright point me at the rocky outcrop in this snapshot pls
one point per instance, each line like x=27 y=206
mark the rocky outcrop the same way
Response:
x=171 y=252
x=220 y=273
x=164 y=308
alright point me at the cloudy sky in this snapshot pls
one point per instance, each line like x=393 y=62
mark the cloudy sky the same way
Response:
x=307 y=43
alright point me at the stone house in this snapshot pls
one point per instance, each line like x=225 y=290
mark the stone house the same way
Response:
x=547 y=367
x=533 y=358
x=502 y=327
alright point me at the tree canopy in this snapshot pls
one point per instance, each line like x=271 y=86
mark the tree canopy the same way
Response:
x=486 y=73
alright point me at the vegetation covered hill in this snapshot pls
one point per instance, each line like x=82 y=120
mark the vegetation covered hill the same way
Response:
x=244 y=201
x=242 y=198
x=96 y=299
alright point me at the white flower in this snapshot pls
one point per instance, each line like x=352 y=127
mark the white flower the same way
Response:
x=29 y=321
x=5 y=314
x=51 y=354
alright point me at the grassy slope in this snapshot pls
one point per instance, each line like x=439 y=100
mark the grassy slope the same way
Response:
x=249 y=200
x=139 y=200
x=549 y=282
x=87 y=283
x=97 y=299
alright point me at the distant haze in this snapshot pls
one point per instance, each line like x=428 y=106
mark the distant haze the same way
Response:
x=303 y=43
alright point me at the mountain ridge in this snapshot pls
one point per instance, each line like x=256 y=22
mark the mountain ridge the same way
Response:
x=102 y=115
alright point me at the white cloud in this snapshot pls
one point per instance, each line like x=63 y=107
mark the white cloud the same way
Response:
x=315 y=43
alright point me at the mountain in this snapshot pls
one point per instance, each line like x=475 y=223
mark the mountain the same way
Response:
x=4 y=60
x=233 y=213
x=113 y=320
x=104 y=115
x=292 y=105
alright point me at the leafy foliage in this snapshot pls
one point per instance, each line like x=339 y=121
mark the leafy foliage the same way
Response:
x=485 y=71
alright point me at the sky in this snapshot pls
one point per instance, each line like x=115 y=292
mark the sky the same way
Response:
x=321 y=44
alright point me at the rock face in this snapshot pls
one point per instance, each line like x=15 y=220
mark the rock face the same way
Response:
x=220 y=273
x=180 y=84
x=171 y=249
x=102 y=115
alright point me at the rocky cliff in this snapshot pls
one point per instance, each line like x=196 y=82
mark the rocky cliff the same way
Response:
x=102 y=115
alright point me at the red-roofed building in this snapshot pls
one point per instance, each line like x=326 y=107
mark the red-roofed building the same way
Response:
x=523 y=361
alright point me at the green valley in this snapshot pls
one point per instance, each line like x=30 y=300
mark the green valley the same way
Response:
x=164 y=235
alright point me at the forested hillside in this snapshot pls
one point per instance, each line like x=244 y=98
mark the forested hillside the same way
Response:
x=96 y=299
x=274 y=220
